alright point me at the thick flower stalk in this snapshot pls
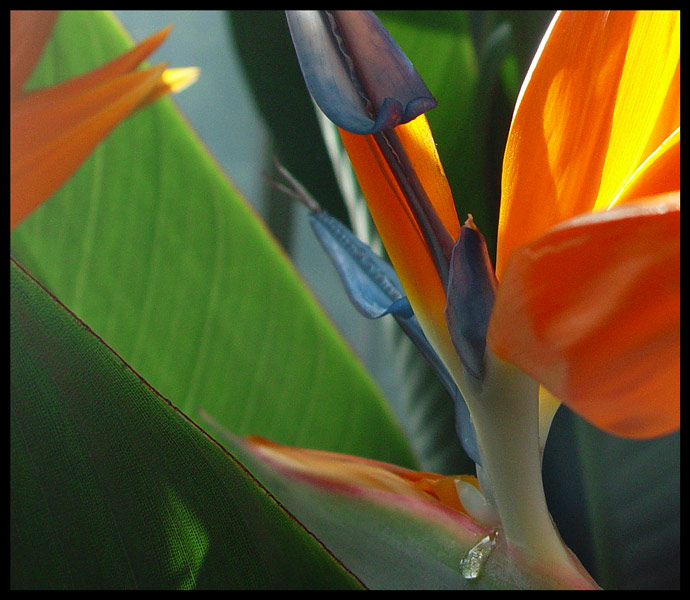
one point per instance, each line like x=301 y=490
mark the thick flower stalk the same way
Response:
x=584 y=306
x=53 y=130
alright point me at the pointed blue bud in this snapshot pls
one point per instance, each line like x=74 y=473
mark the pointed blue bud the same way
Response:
x=375 y=290
x=355 y=72
x=371 y=283
x=470 y=297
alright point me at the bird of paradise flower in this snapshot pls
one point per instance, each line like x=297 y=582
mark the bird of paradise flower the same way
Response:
x=583 y=307
x=590 y=211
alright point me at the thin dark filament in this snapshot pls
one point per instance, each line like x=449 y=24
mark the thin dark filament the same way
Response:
x=294 y=189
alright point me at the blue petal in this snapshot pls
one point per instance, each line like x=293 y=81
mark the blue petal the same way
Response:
x=470 y=298
x=355 y=72
x=370 y=282
x=375 y=290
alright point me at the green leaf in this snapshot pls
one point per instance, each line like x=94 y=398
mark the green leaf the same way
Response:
x=633 y=492
x=152 y=247
x=113 y=488
x=616 y=503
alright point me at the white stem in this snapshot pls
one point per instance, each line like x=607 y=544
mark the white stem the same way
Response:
x=505 y=412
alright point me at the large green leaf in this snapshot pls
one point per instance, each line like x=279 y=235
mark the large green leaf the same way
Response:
x=633 y=491
x=152 y=247
x=113 y=488
x=616 y=503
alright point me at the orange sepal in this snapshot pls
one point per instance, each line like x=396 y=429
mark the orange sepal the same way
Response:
x=591 y=310
x=49 y=144
x=120 y=65
x=602 y=93
x=29 y=32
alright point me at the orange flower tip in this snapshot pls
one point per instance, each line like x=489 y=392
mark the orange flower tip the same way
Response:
x=29 y=32
x=153 y=41
x=469 y=222
x=181 y=78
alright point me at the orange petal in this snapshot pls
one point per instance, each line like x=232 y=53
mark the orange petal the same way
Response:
x=353 y=471
x=53 y=130
x=591 y=310
x=647 y=102
x=29 y=32
x=396 y=225
x=49 y=143
x=601 y=95
x=659 y=174
x=122 y=64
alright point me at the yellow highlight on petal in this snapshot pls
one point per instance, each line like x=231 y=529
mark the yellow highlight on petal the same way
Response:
x=659 y=174
x=402 y=237
x=641 y=120
x=181 y=78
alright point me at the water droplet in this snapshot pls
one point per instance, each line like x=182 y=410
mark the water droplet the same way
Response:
x=471 y=566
